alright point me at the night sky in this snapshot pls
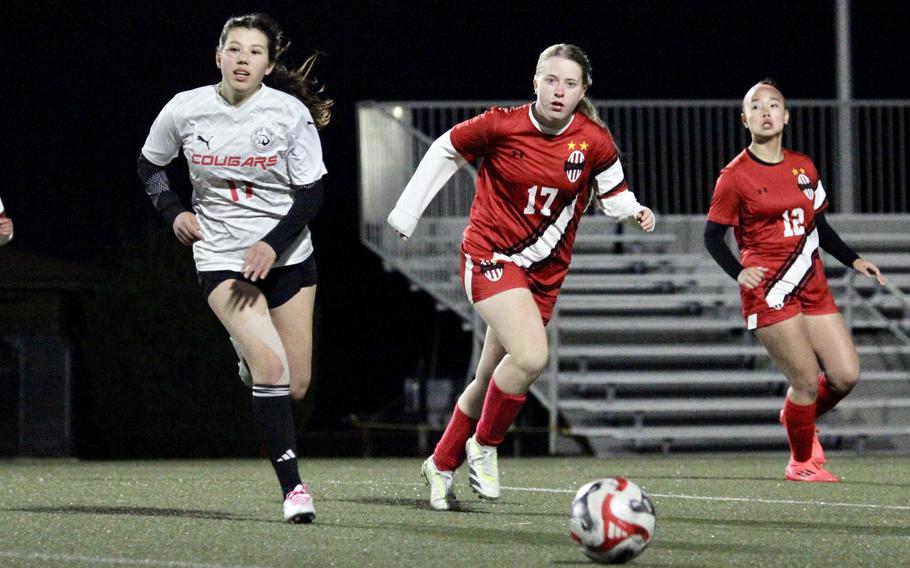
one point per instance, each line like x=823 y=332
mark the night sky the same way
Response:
x=83 y=87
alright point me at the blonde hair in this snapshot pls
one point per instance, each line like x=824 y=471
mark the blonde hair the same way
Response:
x=573 y=53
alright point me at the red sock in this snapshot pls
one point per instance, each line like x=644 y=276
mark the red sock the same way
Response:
x=800 y=422
x=499 y=411
x=449 y=453
x=826 y=400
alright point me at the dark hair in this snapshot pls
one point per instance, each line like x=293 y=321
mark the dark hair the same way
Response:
x=573 y=53
x=294 y=81
x=768 y=81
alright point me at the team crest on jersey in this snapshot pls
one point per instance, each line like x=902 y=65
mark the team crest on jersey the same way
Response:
x=804 y=183
x=491 y=269
x=261 y=139
x=575 y=164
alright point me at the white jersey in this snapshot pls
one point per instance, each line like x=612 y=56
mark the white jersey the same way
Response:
x=243 y=163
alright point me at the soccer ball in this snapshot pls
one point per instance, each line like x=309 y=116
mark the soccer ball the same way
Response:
x=612 y=520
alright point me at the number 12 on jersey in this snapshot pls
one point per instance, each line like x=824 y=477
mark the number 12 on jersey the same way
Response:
x=546 y=193
x=247 y=190
x=793 y=222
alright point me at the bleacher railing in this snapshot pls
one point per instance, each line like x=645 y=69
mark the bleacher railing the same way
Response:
x=673 y=150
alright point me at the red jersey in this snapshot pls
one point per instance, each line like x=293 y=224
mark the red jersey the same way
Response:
x=532 y=188
x=772 y=208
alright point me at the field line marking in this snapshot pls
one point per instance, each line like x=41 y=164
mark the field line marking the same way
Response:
x=735 y=499
x=667 y=496
x=24 y=555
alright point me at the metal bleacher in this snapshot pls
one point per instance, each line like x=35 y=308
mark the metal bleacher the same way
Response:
x=648 y=347
x=658 y=357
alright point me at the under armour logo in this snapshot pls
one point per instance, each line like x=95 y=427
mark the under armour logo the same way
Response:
x=518 y=154
x=206 y=142
x=761 y=190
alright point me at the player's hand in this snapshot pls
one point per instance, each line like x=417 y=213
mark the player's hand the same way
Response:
x=6 y=226
x=646 y=220
x=257 y=261
x=186 y=227
x=751 y=276
x=401 y=236
x=869 y=270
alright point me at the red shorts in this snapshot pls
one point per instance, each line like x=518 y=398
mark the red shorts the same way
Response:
x=486 y=278
x=813 y=299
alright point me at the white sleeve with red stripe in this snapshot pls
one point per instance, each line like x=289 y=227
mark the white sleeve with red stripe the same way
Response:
x=439 y=164
x=615 y=200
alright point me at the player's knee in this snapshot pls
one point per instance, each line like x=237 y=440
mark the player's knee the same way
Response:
x=268 y=369
x=299 y=386
x=531 y=361
x=844 y=379
x=805 y=384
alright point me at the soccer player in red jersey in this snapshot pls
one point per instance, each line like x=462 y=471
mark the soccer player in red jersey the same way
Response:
x=775 y=202
x=542 y=163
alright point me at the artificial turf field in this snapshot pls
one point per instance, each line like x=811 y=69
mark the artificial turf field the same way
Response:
x=711 y=511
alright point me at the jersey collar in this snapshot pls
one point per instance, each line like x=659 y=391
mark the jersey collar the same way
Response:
x=544 y=129
x=244 y=105
x=762 y=162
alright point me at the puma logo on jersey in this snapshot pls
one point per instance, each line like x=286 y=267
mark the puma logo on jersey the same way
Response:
x=204 y=141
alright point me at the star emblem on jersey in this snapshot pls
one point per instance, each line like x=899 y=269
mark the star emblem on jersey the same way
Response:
x=261 y=139
x=491 y=269
x=575 y=164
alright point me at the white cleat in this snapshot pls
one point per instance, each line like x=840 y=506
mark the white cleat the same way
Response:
x=298 y=506
x=483 y=469
x=442 y=490
x=242 y=368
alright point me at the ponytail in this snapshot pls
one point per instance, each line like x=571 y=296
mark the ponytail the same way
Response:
x=299 y=83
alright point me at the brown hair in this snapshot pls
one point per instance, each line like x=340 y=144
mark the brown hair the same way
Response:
x=294 y=81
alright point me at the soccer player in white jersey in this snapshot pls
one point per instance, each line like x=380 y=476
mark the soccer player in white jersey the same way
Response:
x=6 y=226
x=543 y=163
x=255 y=162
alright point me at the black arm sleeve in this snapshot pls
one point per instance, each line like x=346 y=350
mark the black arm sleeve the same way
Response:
x=157 y=187
x=829 y=240
x=302 y=211
x=720 y=252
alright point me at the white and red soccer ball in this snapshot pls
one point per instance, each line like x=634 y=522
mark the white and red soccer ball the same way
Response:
x=612 y=520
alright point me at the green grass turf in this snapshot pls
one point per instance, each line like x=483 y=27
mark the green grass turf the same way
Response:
x=373 y=512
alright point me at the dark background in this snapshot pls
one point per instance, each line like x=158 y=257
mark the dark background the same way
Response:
x=84 y=83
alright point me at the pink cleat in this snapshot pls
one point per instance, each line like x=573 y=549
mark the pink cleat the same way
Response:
x=298 y=505
x=809 y=471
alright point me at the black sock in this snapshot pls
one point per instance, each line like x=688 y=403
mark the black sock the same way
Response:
x=272 y=413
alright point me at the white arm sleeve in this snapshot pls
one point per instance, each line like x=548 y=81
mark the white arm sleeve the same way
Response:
x=622 y=206
x=439 y=164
